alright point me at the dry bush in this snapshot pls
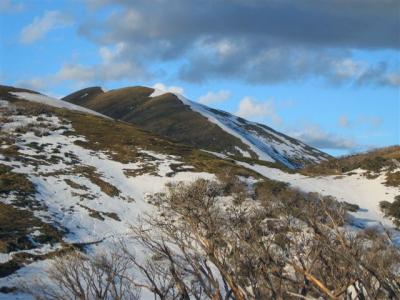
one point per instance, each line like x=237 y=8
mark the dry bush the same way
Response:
x=76 y=276
x=289 y=246
x=204 y=245
x=392 y=210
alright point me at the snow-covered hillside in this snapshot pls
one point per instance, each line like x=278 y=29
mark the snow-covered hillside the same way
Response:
x=88 y=195
x=268 y=144
x=354 y=188
x=91 y=177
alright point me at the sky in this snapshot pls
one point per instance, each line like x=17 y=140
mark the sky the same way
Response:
x=326 y=72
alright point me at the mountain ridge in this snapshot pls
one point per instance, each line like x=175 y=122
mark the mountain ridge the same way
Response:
x=177 y=118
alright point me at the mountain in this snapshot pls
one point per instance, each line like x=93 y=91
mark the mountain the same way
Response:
x=73 y=178
x=184 y=121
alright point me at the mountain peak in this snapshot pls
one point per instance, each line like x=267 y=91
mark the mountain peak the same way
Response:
x=175 y=117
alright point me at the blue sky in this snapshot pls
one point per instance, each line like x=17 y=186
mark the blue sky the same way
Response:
x=327 y=73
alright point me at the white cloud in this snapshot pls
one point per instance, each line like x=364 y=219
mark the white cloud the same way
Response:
x=169 y=89
x=75 y=72
x=97 y=73
x=109 y=69
x=42 y=25
x=252 y=108
x=109 y=54
x=214 y=97
x=348 y=68
x=315 y=136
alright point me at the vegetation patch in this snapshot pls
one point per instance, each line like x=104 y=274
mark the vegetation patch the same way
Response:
x=99 y=214
x=75 y=185
x=351 y=207
x=373 y=162
x=93 y=213
x=20 y=229
x=112 y=215
x=253 y=161
x=392 y=210
x=9 y=267
x=16 y=227
x=20 y=259
x=125 y=143
x=13 y=182
x=16 y=234
x=177 y=168
x=90 y=173
x=106 y=188
x=122 y=141
x=268 y=188
x=393 y=179
x=145 y=168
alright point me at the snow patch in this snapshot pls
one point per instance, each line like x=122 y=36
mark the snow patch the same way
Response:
x=39 y=98
x=3 y=103
x=157 y=93
x=244 y=153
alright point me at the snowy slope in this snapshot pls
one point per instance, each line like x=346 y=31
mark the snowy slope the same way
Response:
x=268 y=144
x=354 y=188
x=39 y=98
x=62 y=172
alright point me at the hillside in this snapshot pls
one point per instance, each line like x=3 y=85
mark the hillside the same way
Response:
x=70 y=177
x=373 y=163
x=74 y=179
x=190 y=123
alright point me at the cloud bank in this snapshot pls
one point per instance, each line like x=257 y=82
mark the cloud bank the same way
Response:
x=256 y=41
